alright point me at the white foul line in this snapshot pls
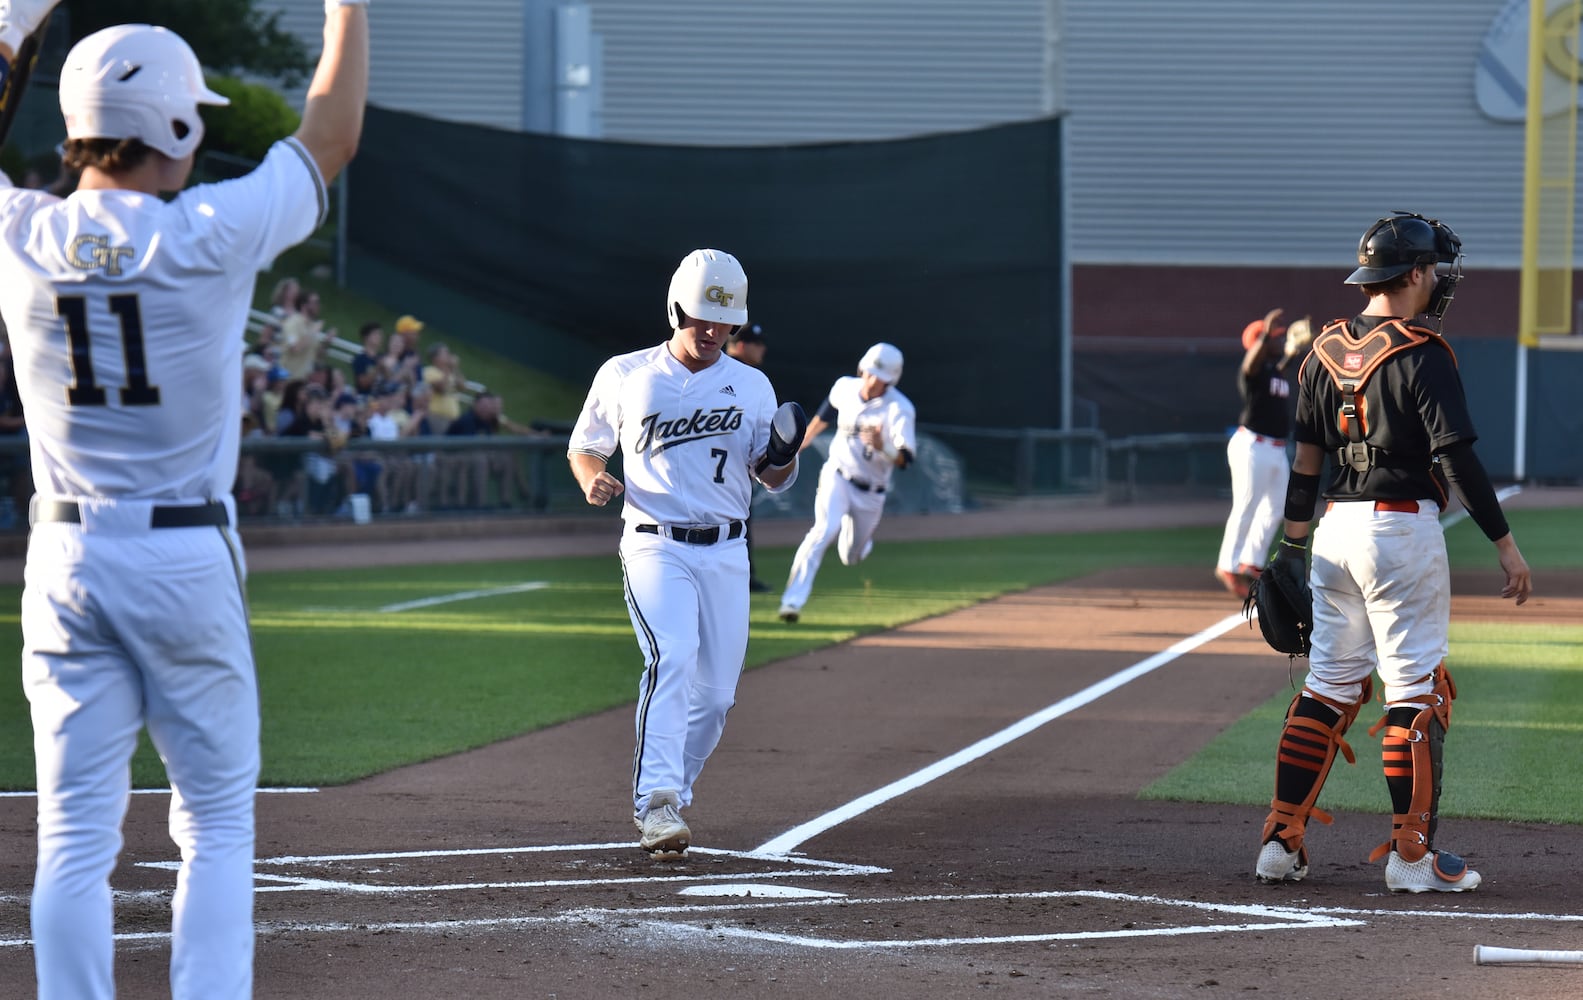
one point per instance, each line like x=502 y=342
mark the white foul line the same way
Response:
x=795 y=837
x=465 y=595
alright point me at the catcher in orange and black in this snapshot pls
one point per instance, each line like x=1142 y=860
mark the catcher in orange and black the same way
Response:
x=1380 y=395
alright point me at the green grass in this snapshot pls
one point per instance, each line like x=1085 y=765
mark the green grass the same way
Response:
x=1513 y=750
x=349 y=690
x=525 y=394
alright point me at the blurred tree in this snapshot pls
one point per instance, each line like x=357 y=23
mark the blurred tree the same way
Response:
x=230 y=36
x=256 y=118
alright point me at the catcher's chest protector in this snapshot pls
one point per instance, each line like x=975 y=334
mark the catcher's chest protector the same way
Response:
x=1351 y=362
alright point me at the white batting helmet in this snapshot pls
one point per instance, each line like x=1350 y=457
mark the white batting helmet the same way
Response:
x=883 y=361
x=135 y=81
x=709 y=285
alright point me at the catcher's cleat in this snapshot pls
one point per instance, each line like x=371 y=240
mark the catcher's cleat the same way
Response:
x=662 y=831
x=789 y=614
x=1437 y=871
x=1276 y=864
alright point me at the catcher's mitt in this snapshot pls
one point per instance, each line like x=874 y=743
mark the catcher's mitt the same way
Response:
x=1286 y=608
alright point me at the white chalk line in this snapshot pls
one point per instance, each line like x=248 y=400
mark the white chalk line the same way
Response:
x=1264 y=918
x=799 y=868
x=789 y=841
x=166 y=791
x=463 y=595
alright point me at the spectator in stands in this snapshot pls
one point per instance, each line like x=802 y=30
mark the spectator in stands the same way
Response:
x=412 y=417
x=474 y=470
x=365 y=366
x=303 y=336
x=397 y=364
x=390 y=473
x=255 y=485
x=411 y=330
x=443 y=376
x=290 y=390
x=255 y=384
x=314 y=420
x=283 y=300
x=266 y=343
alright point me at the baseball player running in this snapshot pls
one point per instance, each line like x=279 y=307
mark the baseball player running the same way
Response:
x=1256 y=452
x=694 y=428
x=875 y=435
x=125 y=315
x=1382 y=396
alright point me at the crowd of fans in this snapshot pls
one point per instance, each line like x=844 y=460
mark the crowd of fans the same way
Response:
x=395 y=388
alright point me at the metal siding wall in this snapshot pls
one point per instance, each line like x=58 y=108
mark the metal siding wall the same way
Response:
x=462 y=62
x=720 y=72
x=1251 y=133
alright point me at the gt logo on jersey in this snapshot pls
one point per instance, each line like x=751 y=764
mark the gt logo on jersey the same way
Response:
x=657 y=434
x=719 y=296
x=93 y=253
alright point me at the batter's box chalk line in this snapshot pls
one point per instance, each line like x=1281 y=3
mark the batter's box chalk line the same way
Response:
x=1263 y=918
x=364 y=866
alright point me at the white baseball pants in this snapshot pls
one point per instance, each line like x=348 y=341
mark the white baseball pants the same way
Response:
x=125 y=626
x=1382 y=600
x=689 y=608
x=1259 y=468
x=841 y=512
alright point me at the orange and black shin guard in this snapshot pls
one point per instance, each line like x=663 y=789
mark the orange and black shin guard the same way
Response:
x=1411 y=754
x=1309 y=742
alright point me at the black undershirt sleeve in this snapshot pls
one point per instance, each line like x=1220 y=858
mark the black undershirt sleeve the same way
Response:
x=1468 y=480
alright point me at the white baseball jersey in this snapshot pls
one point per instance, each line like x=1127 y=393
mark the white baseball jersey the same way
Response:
x=688 y=440
x=126 y=315
x=892 y=412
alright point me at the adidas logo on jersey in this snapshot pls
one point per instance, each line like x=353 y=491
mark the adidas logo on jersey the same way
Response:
x=729 y=391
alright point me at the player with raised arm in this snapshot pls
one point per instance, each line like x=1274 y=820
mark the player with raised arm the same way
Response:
x=694 y=427
x=126 y=314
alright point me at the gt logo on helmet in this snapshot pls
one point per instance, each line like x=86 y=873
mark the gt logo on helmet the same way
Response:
x=719 y=296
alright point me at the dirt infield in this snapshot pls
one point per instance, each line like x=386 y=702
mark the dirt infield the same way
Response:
x=832 y=862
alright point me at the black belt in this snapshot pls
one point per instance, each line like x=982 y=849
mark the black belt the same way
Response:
x=206 y=515
x=693 y=536
x=863 y=484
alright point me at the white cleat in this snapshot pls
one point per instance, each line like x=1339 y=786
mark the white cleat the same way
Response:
x=789 y=614
x=662 y=831
x=1437 y=871
x=1277 y=864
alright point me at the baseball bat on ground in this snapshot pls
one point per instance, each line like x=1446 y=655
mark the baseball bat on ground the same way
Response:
x=1486 y=954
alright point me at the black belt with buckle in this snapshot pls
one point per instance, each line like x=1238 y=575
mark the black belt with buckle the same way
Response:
x=204 y=515
x=693 y=536
x=863 y=484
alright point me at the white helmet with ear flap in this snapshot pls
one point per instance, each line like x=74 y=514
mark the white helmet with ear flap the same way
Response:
x=883 y=361
x=135 y=81
x=709 y=285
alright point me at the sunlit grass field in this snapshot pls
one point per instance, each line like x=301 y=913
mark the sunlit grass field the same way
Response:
x=363 y=670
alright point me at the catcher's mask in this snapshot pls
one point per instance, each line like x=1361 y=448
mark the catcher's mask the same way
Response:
x=1406 y=240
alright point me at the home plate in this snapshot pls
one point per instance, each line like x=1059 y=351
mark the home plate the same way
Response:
x=757 y=891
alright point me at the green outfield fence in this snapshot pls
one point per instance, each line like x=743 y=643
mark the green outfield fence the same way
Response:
x=958 y=468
